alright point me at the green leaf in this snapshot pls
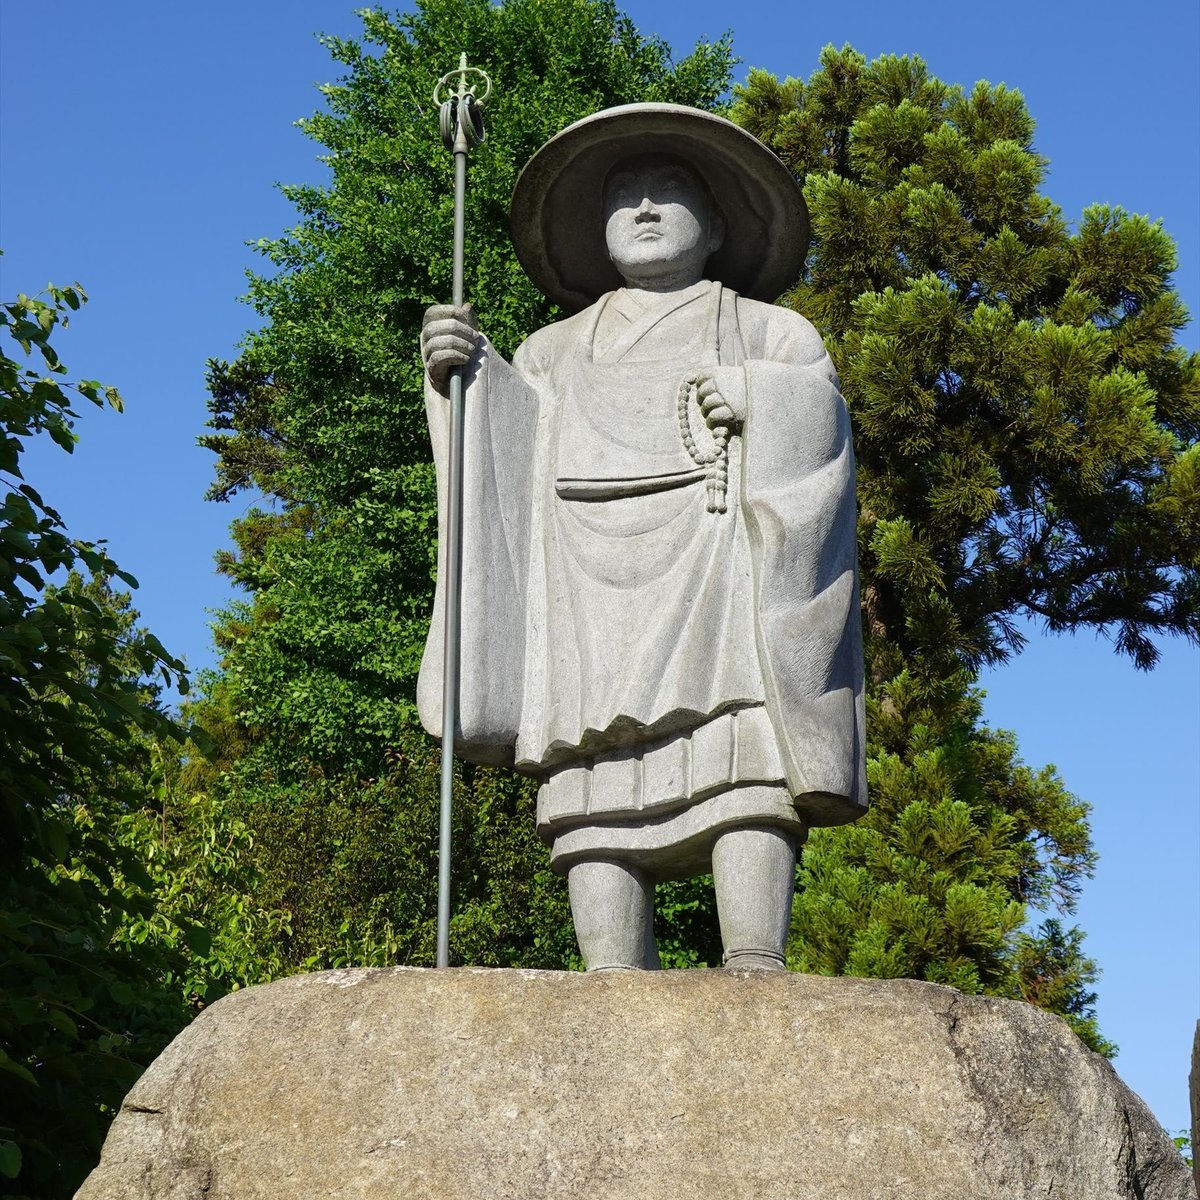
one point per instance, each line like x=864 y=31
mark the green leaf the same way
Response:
x=63 y=1022
x=121 y=992
x=10 y=1159
x=198 y=939
x=62 y=435
x=15 y=1068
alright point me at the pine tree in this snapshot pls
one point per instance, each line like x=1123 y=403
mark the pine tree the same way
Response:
x=1025 y=430
x=1025 y=425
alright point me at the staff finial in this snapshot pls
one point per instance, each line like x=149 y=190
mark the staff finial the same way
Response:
x=460 y=109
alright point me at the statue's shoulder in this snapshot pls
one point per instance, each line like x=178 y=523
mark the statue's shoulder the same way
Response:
x=540 y=349
x=775 y=331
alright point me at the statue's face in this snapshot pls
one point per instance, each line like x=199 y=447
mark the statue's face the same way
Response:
x=657 y=223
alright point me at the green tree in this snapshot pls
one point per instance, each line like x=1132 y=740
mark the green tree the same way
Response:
x=80 y=1013
x=323 y=415
x=1024 y=423
x=1025 y=429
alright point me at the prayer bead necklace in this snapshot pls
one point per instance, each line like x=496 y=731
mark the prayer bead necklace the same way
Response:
x=716 y=459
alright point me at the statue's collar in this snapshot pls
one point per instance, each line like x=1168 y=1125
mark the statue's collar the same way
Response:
x=643 y=311
x=637 y=304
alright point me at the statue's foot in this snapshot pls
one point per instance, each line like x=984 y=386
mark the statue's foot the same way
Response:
x=754 y=960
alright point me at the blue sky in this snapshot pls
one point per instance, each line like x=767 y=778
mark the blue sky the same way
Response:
x=139 y=150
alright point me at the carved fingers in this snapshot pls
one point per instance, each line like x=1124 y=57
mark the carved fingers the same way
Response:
x=449 y=337
x=721 y=396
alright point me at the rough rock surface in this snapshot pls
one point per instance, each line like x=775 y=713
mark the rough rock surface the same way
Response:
x=692 y=1084
x=1194 y=1090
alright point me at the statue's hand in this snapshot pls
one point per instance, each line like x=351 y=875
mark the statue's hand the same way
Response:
x=449 y=336
x=721 y=394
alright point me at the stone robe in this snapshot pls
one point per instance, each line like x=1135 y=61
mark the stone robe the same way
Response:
x=666 y=671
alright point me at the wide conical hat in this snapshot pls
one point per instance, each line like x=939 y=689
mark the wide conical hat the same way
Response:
x=557 y=214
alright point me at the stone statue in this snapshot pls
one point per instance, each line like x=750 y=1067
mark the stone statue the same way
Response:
x=660 y=615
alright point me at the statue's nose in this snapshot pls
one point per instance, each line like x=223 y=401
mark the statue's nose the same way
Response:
x=646 y=210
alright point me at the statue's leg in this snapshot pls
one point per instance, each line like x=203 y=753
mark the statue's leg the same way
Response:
x=754 y=872
x=612 y=905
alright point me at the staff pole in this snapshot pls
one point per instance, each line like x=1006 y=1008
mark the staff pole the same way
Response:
x=461 y=121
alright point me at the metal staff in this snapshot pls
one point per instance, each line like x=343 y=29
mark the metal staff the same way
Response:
x=461 y=117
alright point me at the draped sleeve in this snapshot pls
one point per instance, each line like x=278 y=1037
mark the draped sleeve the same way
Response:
x=501 y=412
x=799 y=505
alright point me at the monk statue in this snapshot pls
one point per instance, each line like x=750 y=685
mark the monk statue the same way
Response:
x=660 y=617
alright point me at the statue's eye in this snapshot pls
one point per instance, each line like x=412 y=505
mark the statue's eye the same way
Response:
x=622 y=189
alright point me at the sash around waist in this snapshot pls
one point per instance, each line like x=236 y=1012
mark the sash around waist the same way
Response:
x=615 y=489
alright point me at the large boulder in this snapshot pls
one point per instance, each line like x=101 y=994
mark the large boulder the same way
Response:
x=421 y=1084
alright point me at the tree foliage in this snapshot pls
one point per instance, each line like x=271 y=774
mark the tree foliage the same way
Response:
x=80 y=1015
x=323 y=415
x=1025 y=429
x=940 y=879
x=126 y=897
x=1024 y=423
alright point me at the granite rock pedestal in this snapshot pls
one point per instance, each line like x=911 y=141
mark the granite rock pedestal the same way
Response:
x=684 y=1085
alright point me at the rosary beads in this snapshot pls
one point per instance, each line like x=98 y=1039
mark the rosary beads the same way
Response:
x=717 y=458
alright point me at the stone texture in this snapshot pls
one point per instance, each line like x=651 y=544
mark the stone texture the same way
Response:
x=471 y=1083
x=1194 y=1091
